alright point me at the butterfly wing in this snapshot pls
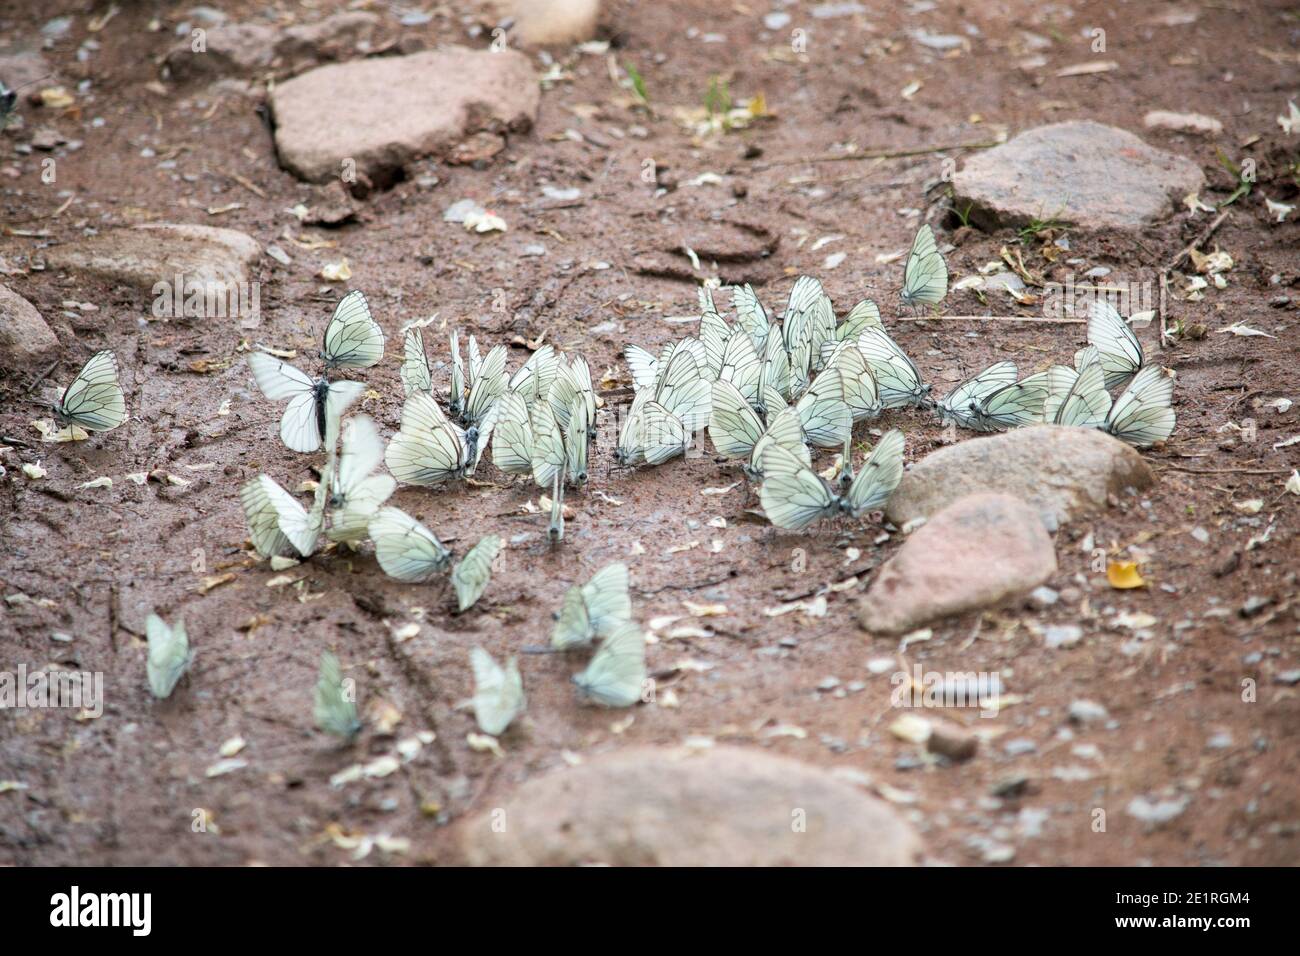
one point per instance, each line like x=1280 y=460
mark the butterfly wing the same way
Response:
x=353 y=339
x=879 y=476
x=742 y=367
x=1119 y=349
x=1014 y=405
x=489 y=385
x=169 y=655
x=573 y=626
x=512 y=440
x=417 y=376
x=498 y=692
x=406 y=549
x=575 y=442
x=470 y=577
x=959 y=405
x=1086 y=402
x=925 y=277
x=750 y=315
x=548 y=443
x=786 y=430
x=792 y=494
x=826 y=418
x=606 y=598
x=897 y=376
x=861 y=393
x=714 y=335
x=864 y=315
x=94 y=399
x=1142 y=415
x=733 y=425
x=615 y=676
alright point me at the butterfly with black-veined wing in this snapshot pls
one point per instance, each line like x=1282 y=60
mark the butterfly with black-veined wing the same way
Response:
x=794 y=496
x=512 y=440
x=897 y=377
x=1117 y=347
x=1142 y=415
x=861 y=393
x=405 y=548
x=651 y=435
x=498 y=692
x=353 y=339
x=336 y=708
x=487 y=383
x=925 y=275
x=825 y=415
x=534 y=378
x=428 y=449
x=751 y=316
x=417 y=375
x=1078 y=398
x=960 y=404
x=471 y=574
x=94 y=399
x=616 y=674
x=277 y=523
x=355 y=493
x=784 y=429
x=573 y=380
x=1011 y=406
x=593 y=609
x=169 y=654
x=312 y=404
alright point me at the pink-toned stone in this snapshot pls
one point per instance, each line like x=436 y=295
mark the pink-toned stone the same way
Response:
x=25 y=338
x=382 y=113
x=977 y=552
x=1081 y=173
x=659 y=806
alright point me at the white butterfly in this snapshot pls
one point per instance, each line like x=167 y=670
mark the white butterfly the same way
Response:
x=785 y=430
x=593 y=609
x=336 y=710
x=714 y=335
x=575 y=443
x=94 y=399
x=471 y=575
x=643 y=365
x=825 y=416
x=897 y=377
x=650 y=434
x=960 y=405
x=573 y=380
x=616 y=674
x=925 y=276
x=548 y=452
x=862 y=316
x=169 y=654
x=734 y=427
x=742 y=367
x=277 y=523
x=775 y=372
x=487 y=383
x=750 y=315
x=861 y=393
x=1014 y=405
x=353 y=339
x=534 y=378
x=417 y=376
x=512 y=440
x=355 y=493
x=1119 y=349
x=1078 y=398
x=498 y=692
x=794 y=496
x=685 y=391
x=428 y=449
x=406 y=549
x=555 y=530
x=456 y=398
x=1142 y=415
x=312 y=404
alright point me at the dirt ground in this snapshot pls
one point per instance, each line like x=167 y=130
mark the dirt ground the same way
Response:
x=124 y=788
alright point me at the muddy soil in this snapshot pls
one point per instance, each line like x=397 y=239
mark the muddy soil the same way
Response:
x=127 y=787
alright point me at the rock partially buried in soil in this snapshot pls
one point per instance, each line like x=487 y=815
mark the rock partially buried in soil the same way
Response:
x=25 y=337
x=977 y=552
x=1081 y=173
x=725 y=806
x=243 y=48
x=1063 y=472
x=203 y=256
x=381 y=114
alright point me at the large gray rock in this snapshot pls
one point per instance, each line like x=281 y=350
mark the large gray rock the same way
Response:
x=977 y=552
x=1061 y=471
x=25 y=338
x=239 y=49
x=1081 y=173
x=655 y=806
x=203 y=256
x=383 y=113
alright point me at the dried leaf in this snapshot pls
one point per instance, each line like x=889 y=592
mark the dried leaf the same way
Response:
x=1124 y=575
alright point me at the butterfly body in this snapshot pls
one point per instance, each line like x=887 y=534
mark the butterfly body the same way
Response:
x=94 y=399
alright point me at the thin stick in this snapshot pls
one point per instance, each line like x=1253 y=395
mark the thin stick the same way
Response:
x=875 y=154
x=1042 y=319
x=1198 y=241
x=1231 y=471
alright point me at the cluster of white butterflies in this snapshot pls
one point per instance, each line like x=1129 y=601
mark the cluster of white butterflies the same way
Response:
x=350 y=493
x=615 y=676
x=772 y=392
